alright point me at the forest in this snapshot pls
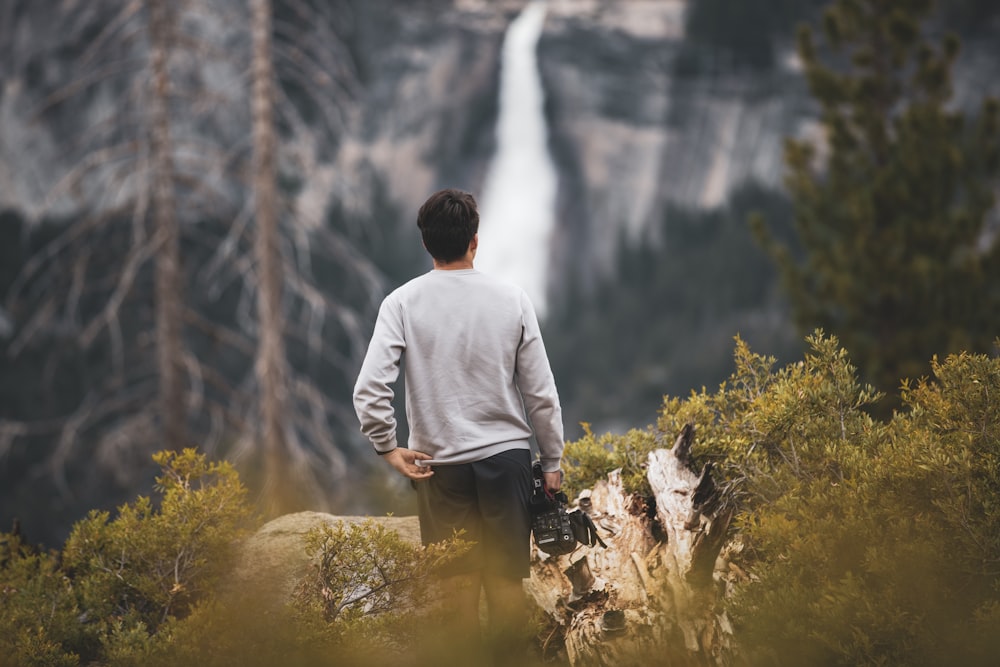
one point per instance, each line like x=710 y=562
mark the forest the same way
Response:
x=181 y=356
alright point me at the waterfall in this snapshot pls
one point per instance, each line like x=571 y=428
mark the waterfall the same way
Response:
x=518 y=201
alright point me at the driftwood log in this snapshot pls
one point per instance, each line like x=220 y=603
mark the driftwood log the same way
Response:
x=652 y=597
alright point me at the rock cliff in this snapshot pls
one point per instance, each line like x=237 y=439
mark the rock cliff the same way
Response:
x=412 y=107
x=633 y=126
x=637 y=125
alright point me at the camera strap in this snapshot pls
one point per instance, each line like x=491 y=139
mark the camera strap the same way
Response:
x=584 y=529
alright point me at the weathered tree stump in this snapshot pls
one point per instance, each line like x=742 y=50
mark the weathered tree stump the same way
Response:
x=650 y=597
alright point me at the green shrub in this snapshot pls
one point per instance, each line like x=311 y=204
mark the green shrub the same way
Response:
x=867 y=542
x=589 y=459
x=38 y=609
x=363 y=575
x=765 y=429
x=121 y=579
x=878 y=543
x=368 y=598
x=241 y=627
x=148 y=563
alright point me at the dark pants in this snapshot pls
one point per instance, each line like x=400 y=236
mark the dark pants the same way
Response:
x=487 y=499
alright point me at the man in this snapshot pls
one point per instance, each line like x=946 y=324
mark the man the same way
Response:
x=478 y=386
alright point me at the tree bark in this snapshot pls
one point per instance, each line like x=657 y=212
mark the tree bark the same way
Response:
x=169 y=310
x=271 y=360
x=654 y=596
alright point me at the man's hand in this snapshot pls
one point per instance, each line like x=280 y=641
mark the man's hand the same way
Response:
x=404 y=460
x=553 y=480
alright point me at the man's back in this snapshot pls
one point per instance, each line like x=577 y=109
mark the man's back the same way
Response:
x=473 y=350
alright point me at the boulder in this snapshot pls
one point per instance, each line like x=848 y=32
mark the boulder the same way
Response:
x=274 y=558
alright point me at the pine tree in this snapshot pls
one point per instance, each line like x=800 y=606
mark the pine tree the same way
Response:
x=893 y=205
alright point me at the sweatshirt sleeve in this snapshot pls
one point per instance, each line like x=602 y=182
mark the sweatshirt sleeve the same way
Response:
x=538 y=390
x=373 y=392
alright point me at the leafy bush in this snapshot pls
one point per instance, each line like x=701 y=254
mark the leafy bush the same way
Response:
x=121 y=579
x=756 y=421
x=589 y=459
x=239 y=628
x=38 y=609
x=866 y=541
x=149 y=564
x=367 y=586
x=896 y=558
x=148 y=587
x=368 y=598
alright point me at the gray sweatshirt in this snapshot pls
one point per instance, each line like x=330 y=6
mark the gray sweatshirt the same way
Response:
x=478 y=381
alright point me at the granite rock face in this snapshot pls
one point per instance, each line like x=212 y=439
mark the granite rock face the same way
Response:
x=638 y=127
x=405 y=103
x=634 y=133
x=632 y=128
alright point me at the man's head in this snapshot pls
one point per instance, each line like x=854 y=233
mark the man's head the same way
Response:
x=448 y=221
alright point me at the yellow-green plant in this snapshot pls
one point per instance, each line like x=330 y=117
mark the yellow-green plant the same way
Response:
x=362 y=571
x=150 y=562
x=367 y=598
x=589 y=459
x=38 y=609
x=880 y=542
x=153 y=561
x=867 y=541
x=119 y=580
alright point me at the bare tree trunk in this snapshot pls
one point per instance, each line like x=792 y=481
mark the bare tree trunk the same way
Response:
x=135 y=177
x=168 y=277
x=270 y=365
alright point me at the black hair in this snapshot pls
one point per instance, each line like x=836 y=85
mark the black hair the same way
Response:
x=448 y=220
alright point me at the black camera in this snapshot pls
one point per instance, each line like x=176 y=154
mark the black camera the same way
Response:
x=557 y=531
x=550 y=523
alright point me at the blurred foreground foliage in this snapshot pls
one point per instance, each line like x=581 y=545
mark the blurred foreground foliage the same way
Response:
x=864 y=541
x=857 y=540
x=115 y=591
x=153 y=585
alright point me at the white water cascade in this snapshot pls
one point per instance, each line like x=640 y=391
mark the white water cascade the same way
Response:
x=518 y=201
